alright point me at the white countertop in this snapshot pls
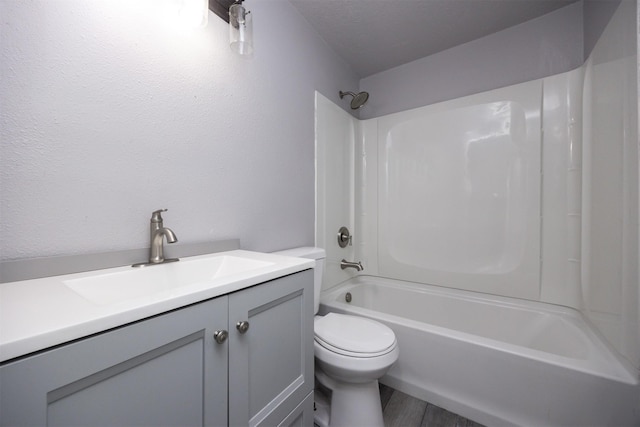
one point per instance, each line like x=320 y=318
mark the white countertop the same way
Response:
x=40 y=313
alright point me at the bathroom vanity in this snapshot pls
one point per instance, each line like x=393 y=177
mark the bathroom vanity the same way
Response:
x=240 y=357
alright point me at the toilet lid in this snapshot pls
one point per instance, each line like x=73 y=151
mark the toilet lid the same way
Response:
x=353 y=334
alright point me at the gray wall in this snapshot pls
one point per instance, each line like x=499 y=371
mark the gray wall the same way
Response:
x=554 y=43
x=109 y=112
x=597 y=14
x=541 y=47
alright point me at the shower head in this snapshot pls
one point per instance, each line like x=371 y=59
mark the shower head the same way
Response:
x=358 y=99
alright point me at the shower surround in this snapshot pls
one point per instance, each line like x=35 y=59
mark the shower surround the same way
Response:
x=527 y=192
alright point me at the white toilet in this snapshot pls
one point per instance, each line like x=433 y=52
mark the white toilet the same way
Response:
x=351 y=353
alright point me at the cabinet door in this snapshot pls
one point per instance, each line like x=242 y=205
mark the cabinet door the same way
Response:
x=166 y=370
x=271 y=364
x=302 y=415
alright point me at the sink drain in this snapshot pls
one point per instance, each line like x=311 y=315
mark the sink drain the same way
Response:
x=347 y=297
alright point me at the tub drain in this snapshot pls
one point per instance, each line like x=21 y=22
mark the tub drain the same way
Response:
x=347 y=297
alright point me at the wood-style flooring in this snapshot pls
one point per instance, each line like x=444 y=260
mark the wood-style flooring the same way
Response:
x=402 y=410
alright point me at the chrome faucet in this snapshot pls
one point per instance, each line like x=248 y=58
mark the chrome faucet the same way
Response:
x=348 y=264
x=157 y=235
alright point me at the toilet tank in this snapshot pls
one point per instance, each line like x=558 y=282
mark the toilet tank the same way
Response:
x=317 y=254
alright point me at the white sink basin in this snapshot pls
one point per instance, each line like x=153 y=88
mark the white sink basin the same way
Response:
x=170 y=278
x=40 y=313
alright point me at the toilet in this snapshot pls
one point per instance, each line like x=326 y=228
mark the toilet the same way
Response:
x=351 y=354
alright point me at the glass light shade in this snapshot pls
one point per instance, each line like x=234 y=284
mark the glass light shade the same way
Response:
x=240 y=30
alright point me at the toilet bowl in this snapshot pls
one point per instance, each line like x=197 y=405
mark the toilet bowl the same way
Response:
x=351 y=354
x=352 y=348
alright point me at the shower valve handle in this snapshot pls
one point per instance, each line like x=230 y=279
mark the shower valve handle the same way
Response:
x=344 y=237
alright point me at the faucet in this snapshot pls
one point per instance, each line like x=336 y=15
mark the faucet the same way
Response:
x=157 y=235
x=348 y=264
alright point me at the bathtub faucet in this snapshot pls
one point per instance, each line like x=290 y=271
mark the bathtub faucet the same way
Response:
x=348 y=264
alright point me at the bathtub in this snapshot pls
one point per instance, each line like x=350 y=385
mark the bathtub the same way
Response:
x=496 y=360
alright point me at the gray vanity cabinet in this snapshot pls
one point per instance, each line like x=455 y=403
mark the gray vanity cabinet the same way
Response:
x=169 y=370
x=166 y=370
x=272 y=363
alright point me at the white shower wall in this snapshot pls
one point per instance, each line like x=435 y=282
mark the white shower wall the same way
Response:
x=610 y=179
x=453 y=194
x=468 y=194
x=335 y=184
x=488 y=192
x=458 y=192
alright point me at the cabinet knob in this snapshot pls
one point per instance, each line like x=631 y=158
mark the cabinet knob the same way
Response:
x=220 y=336
x=242 y=326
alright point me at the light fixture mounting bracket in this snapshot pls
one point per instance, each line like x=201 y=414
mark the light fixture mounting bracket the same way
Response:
x=221 y=7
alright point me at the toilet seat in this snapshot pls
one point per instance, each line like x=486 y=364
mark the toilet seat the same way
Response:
x=353 y=336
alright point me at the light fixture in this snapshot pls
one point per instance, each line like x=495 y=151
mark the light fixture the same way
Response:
x=240 y=24
x=240 y=29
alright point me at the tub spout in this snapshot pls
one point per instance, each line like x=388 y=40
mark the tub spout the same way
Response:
x=348 y=264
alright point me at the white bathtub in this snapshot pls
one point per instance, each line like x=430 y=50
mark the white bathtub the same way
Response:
x=496 y=360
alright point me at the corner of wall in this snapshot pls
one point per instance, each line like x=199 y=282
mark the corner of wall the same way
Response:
x=610 y=234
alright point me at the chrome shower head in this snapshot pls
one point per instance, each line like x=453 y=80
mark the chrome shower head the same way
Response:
x=358 y=99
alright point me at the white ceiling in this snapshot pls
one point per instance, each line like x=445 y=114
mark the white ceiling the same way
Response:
x=375 y=35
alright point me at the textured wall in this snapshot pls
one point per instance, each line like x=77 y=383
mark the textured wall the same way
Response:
x=108 y=111
x=538 y=48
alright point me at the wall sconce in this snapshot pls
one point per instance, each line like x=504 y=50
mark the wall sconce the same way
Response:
x=240 y=24
x=240 y=29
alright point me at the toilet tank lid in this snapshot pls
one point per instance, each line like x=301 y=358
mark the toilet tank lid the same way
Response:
x=309 y=252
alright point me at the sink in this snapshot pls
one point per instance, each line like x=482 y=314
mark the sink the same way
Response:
x=36 y=314
x=170 y=278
